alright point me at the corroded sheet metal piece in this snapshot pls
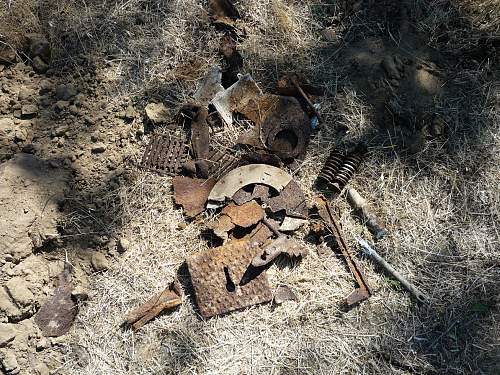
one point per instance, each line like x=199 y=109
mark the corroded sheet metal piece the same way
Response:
x=236 y=98
x=57 y=314
x=281 y=125
x=216 y=274
x=233 y=181
x=192 y=193
x=291 y=199
x=246 y=215
x=165 y=154
x=282 y=244
x=169 y=298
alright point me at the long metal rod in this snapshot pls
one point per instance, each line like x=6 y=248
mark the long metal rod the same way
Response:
x=368 y=250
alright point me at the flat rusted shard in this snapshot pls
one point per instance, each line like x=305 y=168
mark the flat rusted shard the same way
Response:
x=291 y=199
x=221 y=226
x=283 y=293
x=192 y=193
x=282 y=244
x=250 y=174
x=236 y=97
x=242 y=196
x=246 y=215
x=216 y=274
x=169 y=298
x=200 y=138
x=260 y=234
x=57 y=314
x=209 y=86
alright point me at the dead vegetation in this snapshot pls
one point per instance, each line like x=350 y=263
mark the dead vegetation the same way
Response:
x=438 y=194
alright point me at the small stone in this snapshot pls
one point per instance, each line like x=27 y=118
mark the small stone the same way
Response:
x=25 y=93
x=89 y=120
x=9 y=363
x=99 y=262
x=98 y=148
x=7 y=307
x=39 y=65
x=61 y=105
x=7 y=334
x=129 y=114
x=66 y=92
x=29 y=110
x=80 y=294
x=123 y=245
x=21 y=135
x=7 y=55
x=18 y=289
x=181 y=226
x=42 y=344
x=46 y=85
x=157 y=113
x=73 y=109
x=60 y=131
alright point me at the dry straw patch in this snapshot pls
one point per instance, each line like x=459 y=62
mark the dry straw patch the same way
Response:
x=441 y=206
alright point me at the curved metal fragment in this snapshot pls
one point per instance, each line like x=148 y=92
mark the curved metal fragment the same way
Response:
x=264 y=174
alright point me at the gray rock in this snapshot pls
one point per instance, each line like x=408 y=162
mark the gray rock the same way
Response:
x=46 y=85
x=7 y=306
x=18 y=289
x=7 y=334
x=61 y=105
x=99 y=262
x=25 y=93
x=66 y=92
x=29 y=110
x=98 y=148
x=9 y=363
x=157 y=113
x=39 y=65
x=123 y=245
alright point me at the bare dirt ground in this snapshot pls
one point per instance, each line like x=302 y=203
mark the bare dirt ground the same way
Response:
x=417 y=81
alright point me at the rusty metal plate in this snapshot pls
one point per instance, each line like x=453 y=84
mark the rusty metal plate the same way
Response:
x=246 y=215
x=165 y=154
x=192 y=193
x=291 y=199
x=57 y=314
x=216 y=274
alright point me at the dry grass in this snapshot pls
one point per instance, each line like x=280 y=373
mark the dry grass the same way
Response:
x=441 y=206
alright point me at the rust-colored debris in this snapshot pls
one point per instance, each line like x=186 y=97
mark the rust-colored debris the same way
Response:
x=233 y=61
x=200 y=137
x=246 y=215
x=291 y=199
x=283 y=244
x=281 y=126
x=165 y=154
x=339 y=168
x=216 y=274
x=57 y=314
x=220 y=163
x=170 y=298
x=260 y=234
x=331 y=224
x=250 y=174
x=283 y=293
x=236 y=98
x=221 y=226
x=209 y=86
x=192 y=193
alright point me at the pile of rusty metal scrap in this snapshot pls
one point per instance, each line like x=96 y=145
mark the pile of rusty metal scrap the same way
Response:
x=255 y=204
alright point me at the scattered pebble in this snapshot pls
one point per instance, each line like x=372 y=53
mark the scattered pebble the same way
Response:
x=98 y=148
x=99 y=262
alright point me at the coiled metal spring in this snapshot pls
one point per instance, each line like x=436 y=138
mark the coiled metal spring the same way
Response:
x=339 y=168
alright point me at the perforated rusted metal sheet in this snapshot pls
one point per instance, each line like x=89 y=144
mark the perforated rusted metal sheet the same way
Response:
x=210 y=271
x=165 y=154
